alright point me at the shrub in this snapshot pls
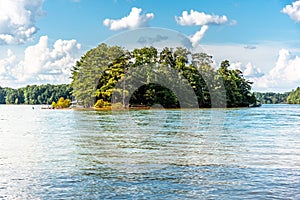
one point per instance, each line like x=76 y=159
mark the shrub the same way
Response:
x=61 y=103
x=102 y=104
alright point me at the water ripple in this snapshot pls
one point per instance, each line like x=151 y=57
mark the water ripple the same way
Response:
x=153 y=154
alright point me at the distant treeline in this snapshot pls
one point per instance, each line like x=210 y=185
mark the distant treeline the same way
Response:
x=46 y=94
x=35 y=94
x=272 y=97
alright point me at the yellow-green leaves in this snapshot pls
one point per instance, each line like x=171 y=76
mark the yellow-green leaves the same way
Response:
x=61 y=103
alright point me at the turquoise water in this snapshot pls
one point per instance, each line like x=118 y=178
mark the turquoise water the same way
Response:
x=150 y=154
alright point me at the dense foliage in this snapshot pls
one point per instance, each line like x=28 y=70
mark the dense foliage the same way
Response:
x=35 y=94
x=102 y=104
x=271 y=97
x=61 y=103
x=294 y=97
x=112 y=73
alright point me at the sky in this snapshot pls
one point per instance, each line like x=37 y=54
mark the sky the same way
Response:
x=40 y=40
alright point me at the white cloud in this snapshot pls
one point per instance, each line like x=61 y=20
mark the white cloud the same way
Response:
x=284 y=75
x=287 y=67
x=233 y=22
x=293 y=11
x=6 y=64
x=41 y=64
x=134 y=20
x=249 y=70
x=195 y=39
x=272 y=66
x=252 y=71
x=17 y=20
x=43 y=60
x=196 y=18
x=264 y=55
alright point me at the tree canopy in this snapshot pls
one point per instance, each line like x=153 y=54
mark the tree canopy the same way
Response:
x=271 y=97
x=294 y=97
x=61 y=103
x=171 y=77
x=35 y=94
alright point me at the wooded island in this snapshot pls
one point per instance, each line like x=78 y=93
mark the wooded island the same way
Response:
x=107 y=74
x=100 y=70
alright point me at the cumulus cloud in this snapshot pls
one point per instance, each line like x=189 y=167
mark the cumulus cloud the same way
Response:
x=293 y=11
x=17 y=20
x=134 y=20
x=252 y=71
x=199 y=19
x=287 y=67
x=285 y=73
x=195 y=18
x=42 y=63
x=249 y=70
x=43 y=60
x=195 y=39
x=5 y=66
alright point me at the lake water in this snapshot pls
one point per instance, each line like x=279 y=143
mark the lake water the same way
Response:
x=150 y=154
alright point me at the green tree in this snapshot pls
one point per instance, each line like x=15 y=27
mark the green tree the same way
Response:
x=237 y=87
x=11 y=96
x=104 y=71
x=97 y=65
x=294 y=97
x=2 y=95
x=272 y=97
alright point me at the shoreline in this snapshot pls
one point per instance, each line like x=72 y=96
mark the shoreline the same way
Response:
x=144 y=108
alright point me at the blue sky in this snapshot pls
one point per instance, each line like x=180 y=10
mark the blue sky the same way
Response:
x=41 y=40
